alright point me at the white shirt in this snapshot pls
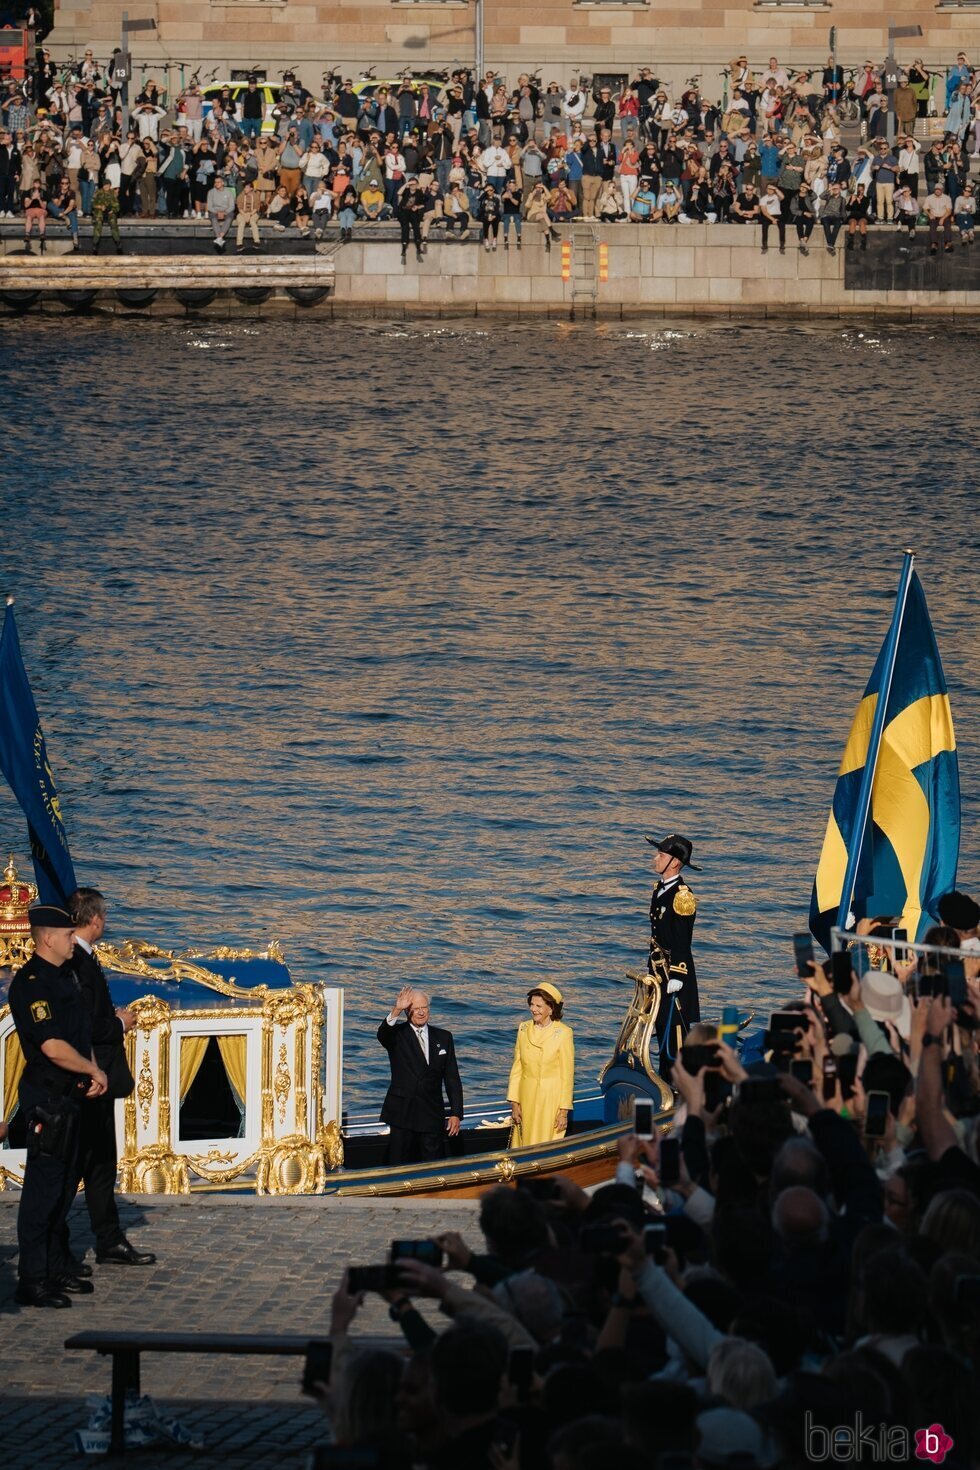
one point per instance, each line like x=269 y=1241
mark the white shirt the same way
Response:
x=421 y=1032
x=83 y=944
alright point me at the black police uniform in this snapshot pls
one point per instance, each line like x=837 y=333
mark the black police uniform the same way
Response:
x=46 y=1005
x=672 y=913
x=97 y=1147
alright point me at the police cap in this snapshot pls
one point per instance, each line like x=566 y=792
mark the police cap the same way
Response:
x=49 y=916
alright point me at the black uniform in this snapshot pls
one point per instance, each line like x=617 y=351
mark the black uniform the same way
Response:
x=672 y=912
x=46 y=1005
x=97 y=1150
x=413 y=1107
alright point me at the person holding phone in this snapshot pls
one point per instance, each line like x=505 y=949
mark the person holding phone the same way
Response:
x=542 y=1078
x=672 y=912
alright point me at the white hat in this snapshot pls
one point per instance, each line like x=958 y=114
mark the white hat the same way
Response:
x=885 y=1000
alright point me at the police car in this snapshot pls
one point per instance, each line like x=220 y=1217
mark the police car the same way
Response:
x=271 y=92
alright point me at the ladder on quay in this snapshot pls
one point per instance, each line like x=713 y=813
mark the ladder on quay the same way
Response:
x=585 y=268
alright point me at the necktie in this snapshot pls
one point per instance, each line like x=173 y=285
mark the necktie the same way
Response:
x=422 y=1041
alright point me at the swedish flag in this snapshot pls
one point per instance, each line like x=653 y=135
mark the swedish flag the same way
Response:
x=911 y=827
x=24 y=764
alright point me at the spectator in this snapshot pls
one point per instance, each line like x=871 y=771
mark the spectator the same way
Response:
x=832 y=217
x=858 y=211
x=489 y=214
x=804 y=217
x=248 y=206
x=321 y=204
x=966 y=215
x=511 y=202
x=939 y=211
x=411 y=207
x=63 y=205
x=771 y=213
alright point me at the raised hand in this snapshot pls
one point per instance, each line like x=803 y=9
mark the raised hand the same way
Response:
x=403 y=999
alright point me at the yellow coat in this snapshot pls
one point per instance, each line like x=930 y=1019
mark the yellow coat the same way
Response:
x=542 y=1078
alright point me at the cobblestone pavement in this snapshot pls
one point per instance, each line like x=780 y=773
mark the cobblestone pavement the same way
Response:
x=225 y=1263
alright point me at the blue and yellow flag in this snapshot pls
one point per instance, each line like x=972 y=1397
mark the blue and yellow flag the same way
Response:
x=912 y=837
x=24 y=764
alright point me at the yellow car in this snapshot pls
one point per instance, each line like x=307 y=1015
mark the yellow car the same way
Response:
x=367 y=87
x=271 y=92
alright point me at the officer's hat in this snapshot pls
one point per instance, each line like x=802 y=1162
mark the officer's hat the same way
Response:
x=676 y=847
x=48 y=916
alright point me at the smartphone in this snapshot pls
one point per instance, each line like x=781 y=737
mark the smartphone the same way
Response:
x=802 y=1069
x=655 y=1242
x=601 y=1240
x=316 y=1368
x=695 y=1057
x=955 y=976
x=803 y=952
x=425 y=1251
x=829 y=1078
x=643 y=1117
x=786 y=1021
x=860 y=960
x=670 y=1161
x=900 y=954
x=520 y=1369
x=847 y=1067
x=717 y=1090
x=841 y=971
x=761 y=1090
x=876 y=1114
x=373 y=1278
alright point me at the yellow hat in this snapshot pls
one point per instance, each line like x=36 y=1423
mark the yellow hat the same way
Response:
x=551 y=990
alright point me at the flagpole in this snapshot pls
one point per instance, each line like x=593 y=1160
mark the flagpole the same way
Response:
x=874 y=743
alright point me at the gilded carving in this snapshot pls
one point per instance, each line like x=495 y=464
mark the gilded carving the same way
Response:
x=283 y=1082
x=145 y=1088
x=154 y=1170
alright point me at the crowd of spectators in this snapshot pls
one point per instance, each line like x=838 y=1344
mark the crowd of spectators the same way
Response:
x=481 y=156
x=798 y=1281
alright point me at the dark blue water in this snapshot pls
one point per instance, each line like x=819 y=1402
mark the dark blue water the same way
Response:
x=392 y=642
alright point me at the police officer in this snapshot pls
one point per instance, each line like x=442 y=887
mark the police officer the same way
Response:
x=55 y=1034
x=97 y=1148
x=672 y=911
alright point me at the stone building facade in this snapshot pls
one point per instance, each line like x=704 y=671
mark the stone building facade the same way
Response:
x=557 y=37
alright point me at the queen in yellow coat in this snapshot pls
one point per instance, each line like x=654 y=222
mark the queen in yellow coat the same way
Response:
x=542 y=1079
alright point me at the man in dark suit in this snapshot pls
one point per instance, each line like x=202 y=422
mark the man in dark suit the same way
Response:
x=423 y=1062
x=97 y=1133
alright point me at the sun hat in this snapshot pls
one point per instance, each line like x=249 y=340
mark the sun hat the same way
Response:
x=885 y=1000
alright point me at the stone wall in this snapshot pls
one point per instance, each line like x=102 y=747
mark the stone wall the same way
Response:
x=683 y=269
x=559 y=36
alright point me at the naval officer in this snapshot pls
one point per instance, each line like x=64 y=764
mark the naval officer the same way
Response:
x=672 y=911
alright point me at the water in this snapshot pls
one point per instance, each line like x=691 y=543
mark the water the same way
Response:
x=392 y=641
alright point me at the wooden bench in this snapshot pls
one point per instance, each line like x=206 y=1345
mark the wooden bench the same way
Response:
x=125 y=1349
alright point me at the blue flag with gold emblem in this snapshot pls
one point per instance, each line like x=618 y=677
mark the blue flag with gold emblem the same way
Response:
x=24 y=764
x=912 y=836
